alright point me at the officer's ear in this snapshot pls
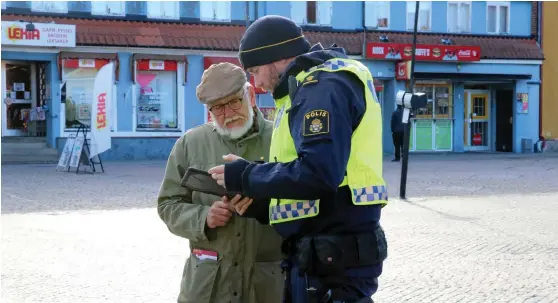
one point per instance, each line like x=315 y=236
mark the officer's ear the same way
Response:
x=251 y=94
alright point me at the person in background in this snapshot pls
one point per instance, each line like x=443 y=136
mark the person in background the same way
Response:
x=397 y=132
x=233 y=259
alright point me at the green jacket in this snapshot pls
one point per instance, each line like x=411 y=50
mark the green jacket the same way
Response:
x=248 y=265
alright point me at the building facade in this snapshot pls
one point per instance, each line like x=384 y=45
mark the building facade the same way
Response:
x=480 y=66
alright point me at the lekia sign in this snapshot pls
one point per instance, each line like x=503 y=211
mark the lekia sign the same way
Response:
x=424 y=52
x=38 y=34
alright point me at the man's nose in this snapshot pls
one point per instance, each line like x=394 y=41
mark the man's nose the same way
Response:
x=258 y=82
x=229 y=111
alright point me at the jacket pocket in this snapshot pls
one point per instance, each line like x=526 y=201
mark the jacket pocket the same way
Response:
x=268 y=282
x=199 y=281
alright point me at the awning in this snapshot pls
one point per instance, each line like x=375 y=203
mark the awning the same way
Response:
x=86 y=60
x=156 y=62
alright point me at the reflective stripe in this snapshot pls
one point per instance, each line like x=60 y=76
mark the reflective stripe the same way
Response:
x=370 y=193
x=293 y=210
x=335 y=65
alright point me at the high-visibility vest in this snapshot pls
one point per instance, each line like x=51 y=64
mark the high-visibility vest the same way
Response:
x=364 y=169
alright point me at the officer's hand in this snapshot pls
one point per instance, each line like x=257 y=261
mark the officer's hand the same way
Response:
x=239 y=205
x=218 y=215
x=218 y=172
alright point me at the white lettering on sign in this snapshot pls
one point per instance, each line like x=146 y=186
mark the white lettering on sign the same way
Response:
x=464 y=53
x=90 y=63
x=378 y=50
x=157 y=64
x=39 y=34
x=423 y=52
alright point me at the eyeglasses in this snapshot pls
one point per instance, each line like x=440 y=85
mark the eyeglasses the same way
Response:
x=219 y=109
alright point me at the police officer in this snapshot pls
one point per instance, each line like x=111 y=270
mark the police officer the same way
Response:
x=323 y=185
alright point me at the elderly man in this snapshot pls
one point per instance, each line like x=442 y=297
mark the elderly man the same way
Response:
x=233 y=259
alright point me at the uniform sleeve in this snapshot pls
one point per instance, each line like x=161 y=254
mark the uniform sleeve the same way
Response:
x=321 y=123
x=174 y=202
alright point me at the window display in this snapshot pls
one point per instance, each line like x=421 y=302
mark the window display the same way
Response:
x=79 y=76
x=156 y=92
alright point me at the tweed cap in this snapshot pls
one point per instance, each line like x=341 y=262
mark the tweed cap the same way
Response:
x=220 y=81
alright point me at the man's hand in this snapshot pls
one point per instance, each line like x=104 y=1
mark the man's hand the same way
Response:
x=240 y=205
x=218 y=172
x=218 y=215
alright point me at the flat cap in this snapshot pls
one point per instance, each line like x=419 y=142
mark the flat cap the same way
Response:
x=219 y=81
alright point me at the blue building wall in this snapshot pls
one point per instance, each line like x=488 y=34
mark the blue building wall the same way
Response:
x=346 y=16
x=350 y=18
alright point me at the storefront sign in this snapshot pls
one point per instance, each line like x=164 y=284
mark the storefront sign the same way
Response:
x=424 y=52
x=208 y=61
x=90 y=63
x=38 y=34
x=403 y=70
x=156 y=65
x=166 y=65
x=522 y=103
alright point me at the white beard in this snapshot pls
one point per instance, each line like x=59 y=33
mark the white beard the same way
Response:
x=237 y=132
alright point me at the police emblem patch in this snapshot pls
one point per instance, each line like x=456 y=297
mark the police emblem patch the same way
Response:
x=316 y=122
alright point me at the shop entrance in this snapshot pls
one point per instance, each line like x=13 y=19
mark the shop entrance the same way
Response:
x=477 y=120
x=504 y=120
x=22 y=111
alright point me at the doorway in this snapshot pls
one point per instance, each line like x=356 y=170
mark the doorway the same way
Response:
x=19 y=96
x=476 y=128
x=504 y=120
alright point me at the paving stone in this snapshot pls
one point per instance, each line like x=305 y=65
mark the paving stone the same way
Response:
x=474 y=229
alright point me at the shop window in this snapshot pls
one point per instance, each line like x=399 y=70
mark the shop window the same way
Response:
x=497 y=17
x=156 y=93
x=376 y=14
x=215 y=10
x=439 y=101
x=108 y=8
x=79 y=78
x=425 y=15
x=459 y=17
x=50 y=6
x=312 y=12
x=162 y=9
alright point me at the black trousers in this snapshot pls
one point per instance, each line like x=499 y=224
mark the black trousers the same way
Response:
x=398 y=143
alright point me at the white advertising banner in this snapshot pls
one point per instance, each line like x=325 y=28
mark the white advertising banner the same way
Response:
x=38 y=34
x=101 y=106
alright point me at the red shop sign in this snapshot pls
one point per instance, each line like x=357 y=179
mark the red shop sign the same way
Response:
x=166 y=65
x=85 y=63
x=208 y=61
x=424 y=52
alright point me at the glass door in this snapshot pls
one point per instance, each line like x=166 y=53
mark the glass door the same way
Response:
x=477 y=121
x=18 y=96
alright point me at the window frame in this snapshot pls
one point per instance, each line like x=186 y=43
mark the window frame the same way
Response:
x=498 y=29
x=459 y=4
x=305 y=19
x=67 y=131
x=64 y=11
x=180 y=106
x=163 y=17
x=410 y=27
x=202 y=18
x=98 y=13
x=388 y=3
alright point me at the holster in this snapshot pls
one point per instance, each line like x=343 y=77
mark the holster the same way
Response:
x=331 y=255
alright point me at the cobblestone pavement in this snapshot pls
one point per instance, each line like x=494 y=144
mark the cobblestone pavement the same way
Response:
x=477 y=228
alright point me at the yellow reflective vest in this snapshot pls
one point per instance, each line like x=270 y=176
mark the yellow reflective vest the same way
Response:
x=364 y=169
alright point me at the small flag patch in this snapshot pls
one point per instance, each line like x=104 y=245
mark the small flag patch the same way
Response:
x=205 y=254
